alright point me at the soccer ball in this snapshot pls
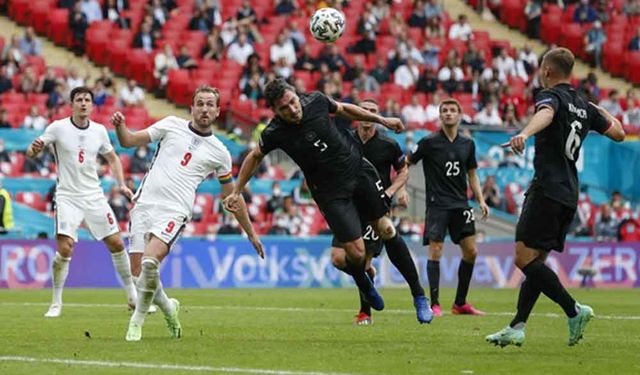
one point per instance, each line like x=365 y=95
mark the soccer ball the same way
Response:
x=327 y=25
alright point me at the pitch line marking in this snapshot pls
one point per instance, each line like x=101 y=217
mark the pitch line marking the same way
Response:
x=301 y=309
x=158 y=366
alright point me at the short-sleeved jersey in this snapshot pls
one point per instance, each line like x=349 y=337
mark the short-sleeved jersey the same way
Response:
x=327 y=156
x=445 y=165
x=183 y=159
x=383 y=152
x=76 y=150
x=558 y=145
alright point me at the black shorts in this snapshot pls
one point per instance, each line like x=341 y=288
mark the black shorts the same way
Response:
x=372 y=243
x=367 y=203
x=544 y=222
x=459 y=222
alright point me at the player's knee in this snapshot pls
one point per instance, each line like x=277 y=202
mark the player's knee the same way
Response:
x=524 y=255
x=65 y=246
x=338 y=258
x=355 y=251
x=435 y=251
x=114 y=243
x=469 y=254
x=385 y=229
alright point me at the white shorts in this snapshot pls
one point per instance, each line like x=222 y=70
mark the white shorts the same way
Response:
x=95 y=212
x=149 y=219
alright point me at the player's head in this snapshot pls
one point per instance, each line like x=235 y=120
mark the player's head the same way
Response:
x=81 y=101
x=372 y=106
x=450 y=112
x=284 y=101
x=556 y=67
x=205 y=106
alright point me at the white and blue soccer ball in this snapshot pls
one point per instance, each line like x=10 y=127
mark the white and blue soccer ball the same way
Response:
x=327 y=25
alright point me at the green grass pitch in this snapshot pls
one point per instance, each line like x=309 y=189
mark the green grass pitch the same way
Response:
x=310 y=331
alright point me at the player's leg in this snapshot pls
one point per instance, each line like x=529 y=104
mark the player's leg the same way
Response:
x=436 y=223
x=400 y=257
x=462 y=230
x=121 y=264
x=339 y=261
x=59 y=271
x=355 y=252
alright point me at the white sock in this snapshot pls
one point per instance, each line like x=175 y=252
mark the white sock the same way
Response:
x=122 y=265
x=60 y=271
x=162 y=300
x=147 y=286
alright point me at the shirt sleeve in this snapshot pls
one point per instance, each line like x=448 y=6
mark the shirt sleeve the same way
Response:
x=471 y=160
x=268 y=140
x=399 y=159
x=158 y=130
x=599 y=123
x=547 y=98
x=224 y=167
x=420 y=151
x=49 y=135
x=331 y=104
x=106 y=146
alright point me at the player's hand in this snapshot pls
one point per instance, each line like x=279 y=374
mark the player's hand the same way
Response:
x=255 y=241
x=403 y=199
x=517 y=143
x=393 y=123
x=126 y=192
x=37 y=146
x=232 y=202
x=485 y=211
x=117 y=119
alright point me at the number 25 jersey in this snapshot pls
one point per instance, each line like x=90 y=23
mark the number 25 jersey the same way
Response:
x=558 y=145
x=183 y=159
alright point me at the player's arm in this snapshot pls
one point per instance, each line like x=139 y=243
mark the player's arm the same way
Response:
x=35 y=148
x=242 y=215
x=116 y=168
x=357 y=113
x=540 y=120
x=248 y=168
x=615 y=131
x=126 y=137
x=474 y=181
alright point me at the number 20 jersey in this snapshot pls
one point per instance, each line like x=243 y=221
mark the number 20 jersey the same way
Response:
x=183 y=159
x=558 y=145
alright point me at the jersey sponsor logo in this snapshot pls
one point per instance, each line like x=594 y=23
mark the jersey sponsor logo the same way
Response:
x=310 y=136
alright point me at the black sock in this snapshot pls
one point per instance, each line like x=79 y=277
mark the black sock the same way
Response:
x=359 y=276
x=547 y=281
x=465 y=270
x=433 y=273
x=364 y=306
x=400 y=257
x=526 y=300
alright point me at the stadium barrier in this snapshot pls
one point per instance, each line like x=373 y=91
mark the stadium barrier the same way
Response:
x=231 y=262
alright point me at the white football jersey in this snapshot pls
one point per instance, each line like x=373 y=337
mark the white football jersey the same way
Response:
x=76 y=151
x=183 y=159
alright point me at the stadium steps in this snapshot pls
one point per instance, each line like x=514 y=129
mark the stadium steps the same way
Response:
x=518 y=40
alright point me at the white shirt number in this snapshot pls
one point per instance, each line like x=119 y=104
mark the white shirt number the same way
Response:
x=453 y=168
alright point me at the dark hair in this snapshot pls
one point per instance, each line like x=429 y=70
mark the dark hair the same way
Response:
x=209 y=89
x=80 y=90
x=562 y=61
x=450 y=101
x=369 y=100
x=274 y=90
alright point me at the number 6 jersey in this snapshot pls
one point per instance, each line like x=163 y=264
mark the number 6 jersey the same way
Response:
x=558 y=145
x=183 y=159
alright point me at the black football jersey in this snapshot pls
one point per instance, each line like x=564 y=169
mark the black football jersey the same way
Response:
x=383 y=152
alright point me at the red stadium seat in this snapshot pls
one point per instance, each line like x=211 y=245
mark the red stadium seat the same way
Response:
x=140 y=67
x=633 y=67
x=18 y=11
x=178 y=83
x=97 y=41
x=31 y=199
x=39 y=14
x=550 y=25
x=512 y=13
x=572 y=37
x=58 y=27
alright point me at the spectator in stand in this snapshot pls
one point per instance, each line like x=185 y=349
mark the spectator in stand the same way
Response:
x=589 y=86
x=333 y=58
x=4 y=119
x=594 y=42
x=435 y=28
x=112 y=10
x=131 y=94
x=92 y=10
x=246 y=12
x=473 y=58
x=214 y=47
x=29 y=44
x=510 y=160
x=533 y=13
x=74 y=79
x=634 y=43
x=284 y=7
x=352 y=72
x=159 y=12
x=510 y=117
x=606 y=224
x=230 y=226
x=283 y=48
x=100 y=93
x=34 y=120
x=428 y=81
x=4 y=154
x=6 y=212
x=289 y=217
x=39 y=164
x=461 y=30
x=106 y=77
x=432 y=9
x=252 y=89
x=296 y=35
x=118 y=203
x=47 y=81
x=414 y=112
x=145 y=38
x=240 y=50
x=200 y=22
x=380 y=9
x=276 y=201
x=488 y=116
x=632 y=8
x=631 y=118
x=451 y=75
x=368 y=24
x=28 y=81
x=505 y=64
x=5 y=82
x=432 y=110
x=418 y=17
x=185 y=60
x=585 y=13
x=282 y=68
x=12 y=54
x=406 y=229
x=407 y=75
x=431 y=55
x=302 y=194
x=212 y=13
x=366 y=83
x=612 y=104
x=162 y=64
x=491 y=192
x=57 y=97
x=306 y=61
x=140 y=160
x=380 y=71
x=397 y=25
